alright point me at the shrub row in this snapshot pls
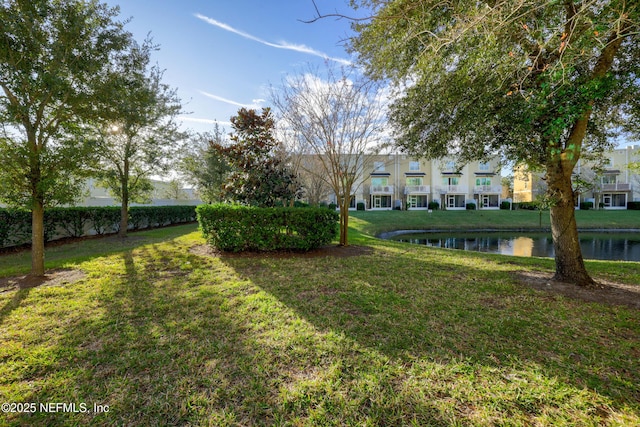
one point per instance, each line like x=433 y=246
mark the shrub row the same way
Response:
x=236 y=228
x=15 y=224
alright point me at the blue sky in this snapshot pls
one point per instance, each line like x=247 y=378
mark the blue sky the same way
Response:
x=224 y=54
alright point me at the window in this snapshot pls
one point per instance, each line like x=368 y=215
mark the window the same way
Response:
x=615 y=200
x=609 y=179
x=378 y=202
x=483 y=167
x=454 y=180
x=450 y=165
x=414 y=181
x=417 y=201
x=483 y=182
x=379 y=181
x=414 y=166
x=378 y=166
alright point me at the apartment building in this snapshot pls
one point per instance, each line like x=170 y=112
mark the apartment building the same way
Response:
x=608 y=185
x=398 y=181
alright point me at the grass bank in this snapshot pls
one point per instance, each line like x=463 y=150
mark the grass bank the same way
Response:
x=376 y=222
x=162 y=333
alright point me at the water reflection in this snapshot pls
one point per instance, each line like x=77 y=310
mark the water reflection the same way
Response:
x=606 y=246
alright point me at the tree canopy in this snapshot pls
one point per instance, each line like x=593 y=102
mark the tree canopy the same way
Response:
x=139 y=133
x=202 y=165
x=541 y=82
x=338 y=117
x=259 y=175
x=54 y=75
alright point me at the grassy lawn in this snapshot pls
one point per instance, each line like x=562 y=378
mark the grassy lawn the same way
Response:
x=376 y=222
x=400 y=335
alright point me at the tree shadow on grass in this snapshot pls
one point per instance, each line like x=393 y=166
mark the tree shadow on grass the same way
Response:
x=172 y=338
x=421 y=305
x=15 y=301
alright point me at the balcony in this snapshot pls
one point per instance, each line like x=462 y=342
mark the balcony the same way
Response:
x=417 y=189
x=453 y=189
x=381 y=189
x=616 y=187
x=487 y=189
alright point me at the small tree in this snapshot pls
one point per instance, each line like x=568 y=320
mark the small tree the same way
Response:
x=312 y=175
x=174 y=191
x=54 y=58
x=141 y=133
x=259 y=176
x=203 y=166
x=338 y=119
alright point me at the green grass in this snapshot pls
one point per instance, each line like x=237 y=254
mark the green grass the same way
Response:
x=403 y=335
x=376 y=222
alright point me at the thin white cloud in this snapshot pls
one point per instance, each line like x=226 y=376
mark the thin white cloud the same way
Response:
x=255 y=103
x=280 y=45
x=205 y=121
x=225 y=100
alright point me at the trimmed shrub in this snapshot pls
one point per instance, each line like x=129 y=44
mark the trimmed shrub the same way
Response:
x=471 y=206
x=15 y=224
x=528 y=206
x=105 y=219
x=333 y=206
x=434 y=205
x=505 y=205
x=360 y=206
x=585 y=206
x=15 y=227
x=634 y=206
x=235 y=228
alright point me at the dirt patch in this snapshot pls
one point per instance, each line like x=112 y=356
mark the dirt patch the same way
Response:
x=325 y=251
x=51 y=278
x=606 y=292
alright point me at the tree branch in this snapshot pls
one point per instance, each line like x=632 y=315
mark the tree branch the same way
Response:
x=320 y=16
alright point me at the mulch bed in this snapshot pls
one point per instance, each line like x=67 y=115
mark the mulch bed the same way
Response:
x=51 y=278
x=605 y=292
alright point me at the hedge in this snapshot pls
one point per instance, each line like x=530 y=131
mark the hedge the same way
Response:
x=585 y=206
x=634 y=206
x=234 y=228
x=15 y=224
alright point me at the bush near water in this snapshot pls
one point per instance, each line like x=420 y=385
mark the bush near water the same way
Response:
x=236 y=228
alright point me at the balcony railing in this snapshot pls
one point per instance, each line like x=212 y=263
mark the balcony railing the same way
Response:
x=616 y=187
x=495 y=189
x=459 y=189
x=417 y=189
x=381 y=189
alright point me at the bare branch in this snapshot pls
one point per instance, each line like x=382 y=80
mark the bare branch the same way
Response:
x=320 y=16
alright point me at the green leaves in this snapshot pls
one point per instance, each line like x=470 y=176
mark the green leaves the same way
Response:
x=244 y=228
x=495 y=75
x=260 y=175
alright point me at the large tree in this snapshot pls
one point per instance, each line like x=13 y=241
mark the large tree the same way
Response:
x=202 y=165
x=338 y=117
x=259 y=175
x=53 y=70
x=141 y=133
x=540 y=81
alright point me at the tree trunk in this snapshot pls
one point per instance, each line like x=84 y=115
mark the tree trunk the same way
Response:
x=570 y=266
x=124 y=219
x=124 y=207
x=344 y=222
x=37 y=239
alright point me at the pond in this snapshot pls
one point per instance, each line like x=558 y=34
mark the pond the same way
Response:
x=616 y=246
